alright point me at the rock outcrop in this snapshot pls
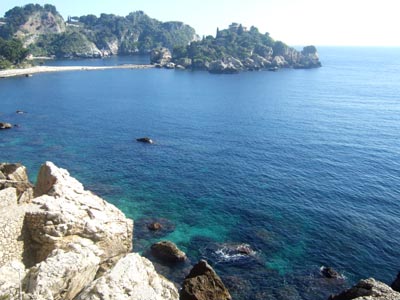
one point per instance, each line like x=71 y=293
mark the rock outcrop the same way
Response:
x=160 y=56
x=329 y=272
x=167 y=252
x=64 y=239
x=203 y=283
x=133 y=277
x=368 y=289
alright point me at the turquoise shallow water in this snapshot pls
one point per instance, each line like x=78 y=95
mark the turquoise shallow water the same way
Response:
x=302 y=165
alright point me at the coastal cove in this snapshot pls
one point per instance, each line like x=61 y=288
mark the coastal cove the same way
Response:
x=301 y=165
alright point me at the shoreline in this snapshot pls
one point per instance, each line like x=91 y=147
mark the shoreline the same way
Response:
x=47 y=69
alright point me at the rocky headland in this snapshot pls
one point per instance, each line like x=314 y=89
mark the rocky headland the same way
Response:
x=236 y=49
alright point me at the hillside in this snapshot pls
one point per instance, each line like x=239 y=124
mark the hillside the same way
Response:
x=45 y=33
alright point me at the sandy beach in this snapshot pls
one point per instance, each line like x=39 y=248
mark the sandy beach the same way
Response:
x=45 y=69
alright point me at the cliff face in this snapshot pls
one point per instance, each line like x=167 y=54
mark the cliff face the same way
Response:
x=46 y=33
x=62 y=240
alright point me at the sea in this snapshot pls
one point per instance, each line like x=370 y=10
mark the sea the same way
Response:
x=267 y=175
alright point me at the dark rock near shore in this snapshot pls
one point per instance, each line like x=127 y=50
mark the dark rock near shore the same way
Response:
x=146 y=140
x=5 y=125
x=396 y=283
x=368 y=289
x=168 y=252
x=203 y=283
x=329 y=272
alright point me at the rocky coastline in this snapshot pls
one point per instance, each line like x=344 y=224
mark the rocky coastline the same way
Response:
x=290 y=58
x=60 y=241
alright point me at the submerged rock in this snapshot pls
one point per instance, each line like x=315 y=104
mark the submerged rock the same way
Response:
x=203 y=283
x=155 y=226
x=368 y=289
x=168 y=252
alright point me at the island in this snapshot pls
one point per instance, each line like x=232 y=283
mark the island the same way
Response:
x=236 y=49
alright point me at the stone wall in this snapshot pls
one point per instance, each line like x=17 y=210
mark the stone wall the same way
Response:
x=12 y=235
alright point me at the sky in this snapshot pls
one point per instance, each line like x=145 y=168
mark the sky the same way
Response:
x=296 y=22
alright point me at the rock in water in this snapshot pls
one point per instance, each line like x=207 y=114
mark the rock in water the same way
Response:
x=155 y=226
x=396 y=283
x=5 y=125
x=168 y=252
x=328 y=272
x=145 y=140
x=203 y=283
x=368 y=289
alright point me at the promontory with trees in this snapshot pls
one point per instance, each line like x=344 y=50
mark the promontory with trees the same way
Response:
x=40 y=31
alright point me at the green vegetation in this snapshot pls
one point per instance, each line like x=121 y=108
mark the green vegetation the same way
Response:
x=45 y=33
x=11 y=53
x=137 y=32
x=19 y=15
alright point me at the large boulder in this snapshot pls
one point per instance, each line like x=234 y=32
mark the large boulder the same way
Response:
x=203 y=283
x=133 y=277
x=368 y=289
x=168 y=252
x=67 y=209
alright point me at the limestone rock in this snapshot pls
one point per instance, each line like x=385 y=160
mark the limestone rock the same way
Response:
x=65 y=272
x=8 y=196
x=227 y=65
x=66 y=209
x=133 y=277
x=11 y=275
x=279 y=61
x=168 y=252
x=161 y=56
x=15 y=175
x=203 y=283
x=368 y=289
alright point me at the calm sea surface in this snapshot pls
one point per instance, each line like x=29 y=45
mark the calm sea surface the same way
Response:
x=301 y=165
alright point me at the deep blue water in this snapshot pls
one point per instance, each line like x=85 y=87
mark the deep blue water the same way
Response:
x=302 y=165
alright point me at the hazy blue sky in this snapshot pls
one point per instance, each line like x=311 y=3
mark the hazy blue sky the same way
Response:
x=296 y=22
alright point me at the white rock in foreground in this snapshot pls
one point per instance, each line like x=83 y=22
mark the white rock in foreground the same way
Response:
x=66 y=209
x=133 y=277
